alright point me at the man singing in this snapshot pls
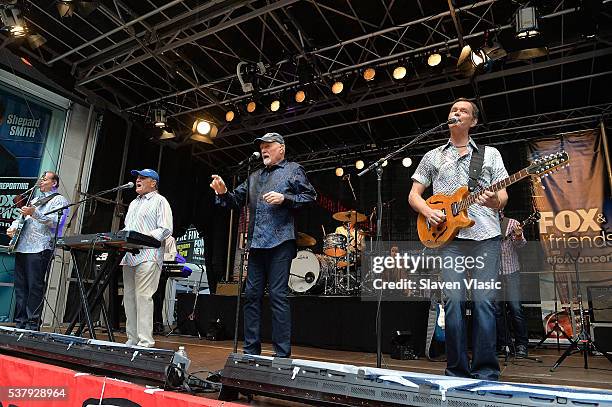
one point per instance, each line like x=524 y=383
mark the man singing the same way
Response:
x=275 y=191
x=151 y=215
x=447 y=169
x=34 y=250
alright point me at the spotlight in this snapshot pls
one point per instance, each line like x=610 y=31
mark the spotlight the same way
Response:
x=359 y=164
x=201 y=138
x=167 y=135
x=36 y=40
x=229 y=116
x=275 y=105
x=470 y=62
x=300 y=96
x=337 y=87
x=434 y=59
x=339 y=172
x=251 y=106
x=369 y=74
x=66 y=8
x=204 y=128
x=407 y=162
x=159 y=118
x=526 y=22
x=385 y=163
x=13 y=23
x=399 y=72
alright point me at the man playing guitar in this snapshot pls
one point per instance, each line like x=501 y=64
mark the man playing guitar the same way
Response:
x=447 y=168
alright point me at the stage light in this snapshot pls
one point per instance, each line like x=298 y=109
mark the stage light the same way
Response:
x=167 y=135
x=369 y=74
x=36 y=40
x=472 y=61
x=407 y=162
x=229 y=116
x=159 y=117
x=300 y=96
x=66 y=8
x=359 y=164
x=275 y=105
x=526 y=22
x=399 y=72
x=251 y=106
x=385 y=163
x=339 y=172
x=337 y=87
x=201 y=138
x=12 y=21
x=434 y=59
x=205 y=128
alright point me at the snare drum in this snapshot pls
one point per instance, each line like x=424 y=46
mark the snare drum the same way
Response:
x=334 y=245
x=309 y=272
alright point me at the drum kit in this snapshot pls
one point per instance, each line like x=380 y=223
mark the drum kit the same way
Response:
x=334 y=272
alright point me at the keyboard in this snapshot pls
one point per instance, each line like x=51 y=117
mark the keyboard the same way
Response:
x=124 y=239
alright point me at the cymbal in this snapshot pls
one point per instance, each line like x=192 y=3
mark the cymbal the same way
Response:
x=351 y=216
x=304 y=240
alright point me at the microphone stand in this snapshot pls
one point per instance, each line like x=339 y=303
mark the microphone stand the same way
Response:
x=378 y=166
x=245 y=252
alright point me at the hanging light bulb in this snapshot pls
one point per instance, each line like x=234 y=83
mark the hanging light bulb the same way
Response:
x=229 y=116
x=300 y=96
x=407 y=162
x=434 y=59
x=337 y=87
x=369 y=74
x=339 y=172
x=399 y=72
x=251 y=106
x=385 y=163
x=275 y=105
x=359 y=164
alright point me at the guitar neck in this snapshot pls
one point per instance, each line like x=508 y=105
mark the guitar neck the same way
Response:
x=471 y=198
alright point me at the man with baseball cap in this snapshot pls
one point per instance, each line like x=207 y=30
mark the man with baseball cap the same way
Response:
x=151 y=215
x=275 y=191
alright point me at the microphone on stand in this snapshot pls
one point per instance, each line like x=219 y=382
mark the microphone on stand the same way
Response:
x=124 y=186
x=453 y=120
x=254 y=156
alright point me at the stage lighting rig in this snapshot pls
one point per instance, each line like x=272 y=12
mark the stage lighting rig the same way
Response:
x=12 y=19
x=247 y=75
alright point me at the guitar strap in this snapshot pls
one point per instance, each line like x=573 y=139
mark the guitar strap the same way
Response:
x=476 y=167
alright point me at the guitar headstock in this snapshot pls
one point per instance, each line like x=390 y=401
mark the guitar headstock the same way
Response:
x=549 y=163
x=533 y=218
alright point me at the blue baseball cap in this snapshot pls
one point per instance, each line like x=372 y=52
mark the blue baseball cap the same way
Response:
x=147 y=172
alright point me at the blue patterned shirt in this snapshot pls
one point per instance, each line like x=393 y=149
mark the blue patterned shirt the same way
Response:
x=38 y=231
x=447 y=171
x=271 y=225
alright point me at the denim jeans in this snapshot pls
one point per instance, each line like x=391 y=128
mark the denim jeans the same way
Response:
x=484 y=364
x=30 y=270
x=271 y=267
x=511 y=285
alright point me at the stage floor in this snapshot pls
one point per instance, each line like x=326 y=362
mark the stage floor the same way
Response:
x=211 y=356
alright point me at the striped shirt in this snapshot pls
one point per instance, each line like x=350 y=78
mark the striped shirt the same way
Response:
x=447 y=171
x=151 y=215
x=509 y=260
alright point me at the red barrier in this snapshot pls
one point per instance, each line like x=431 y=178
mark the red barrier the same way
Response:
x=27 y=383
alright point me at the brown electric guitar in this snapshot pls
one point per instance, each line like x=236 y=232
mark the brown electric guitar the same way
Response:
x=455 y=206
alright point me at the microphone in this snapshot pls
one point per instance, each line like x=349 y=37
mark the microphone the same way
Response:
x=453 y=120
x=124 y=186
x=254 y=156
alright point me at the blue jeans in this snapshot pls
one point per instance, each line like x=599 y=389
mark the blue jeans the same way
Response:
x=484 y=364
x=30 y=269
x=512 y=301
x=271 y=267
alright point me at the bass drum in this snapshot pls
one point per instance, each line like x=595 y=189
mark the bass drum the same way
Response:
x=309 y=272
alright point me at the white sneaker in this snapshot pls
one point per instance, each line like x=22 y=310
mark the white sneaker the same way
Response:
x=129 y=342
x=145 y=344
